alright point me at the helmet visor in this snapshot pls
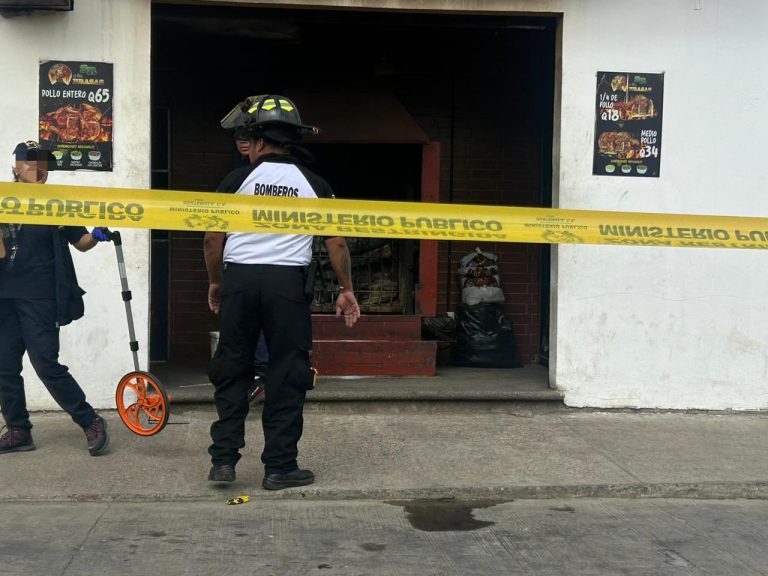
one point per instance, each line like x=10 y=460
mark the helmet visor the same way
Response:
x=240 y=115
x=235 y=118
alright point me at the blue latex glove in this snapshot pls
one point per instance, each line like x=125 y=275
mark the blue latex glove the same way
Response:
x=101 y=234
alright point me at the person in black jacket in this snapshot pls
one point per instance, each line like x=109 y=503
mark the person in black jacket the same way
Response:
x=39 y=293
x=259 y=282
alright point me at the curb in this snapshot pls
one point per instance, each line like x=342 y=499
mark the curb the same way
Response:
x=688 y=490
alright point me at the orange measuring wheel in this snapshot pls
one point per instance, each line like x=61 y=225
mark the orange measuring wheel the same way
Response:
x=142 y=403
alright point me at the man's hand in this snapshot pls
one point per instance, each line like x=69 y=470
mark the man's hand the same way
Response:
x=101 y=234
x=341 y=262
x=214 y=298
x=213 y=248
x=346 y=305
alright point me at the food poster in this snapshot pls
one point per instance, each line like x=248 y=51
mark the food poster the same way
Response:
x=628 y=113
x=76 y=114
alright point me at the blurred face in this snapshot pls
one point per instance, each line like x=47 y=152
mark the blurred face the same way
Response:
x=243 y=146
x=31 y=172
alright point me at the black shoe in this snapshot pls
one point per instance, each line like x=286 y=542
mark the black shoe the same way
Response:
x=222 y=473
x=16 y=440
x=288 y=480
x=96 y=434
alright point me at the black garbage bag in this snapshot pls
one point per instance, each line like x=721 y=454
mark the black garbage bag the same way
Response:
x=439 y=328
x=484 y=337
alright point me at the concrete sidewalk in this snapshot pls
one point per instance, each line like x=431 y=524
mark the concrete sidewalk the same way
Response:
x=472 y=450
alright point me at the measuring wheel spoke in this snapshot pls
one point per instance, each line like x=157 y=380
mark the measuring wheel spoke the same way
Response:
x=132 y=411
x=155 y=413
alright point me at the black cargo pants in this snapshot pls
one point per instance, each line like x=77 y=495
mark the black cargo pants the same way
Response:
x=29 y=325
x=256 y=298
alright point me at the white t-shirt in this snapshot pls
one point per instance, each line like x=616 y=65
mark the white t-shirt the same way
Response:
x=272 y=175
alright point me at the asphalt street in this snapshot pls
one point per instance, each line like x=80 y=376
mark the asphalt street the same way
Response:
x=575 y=537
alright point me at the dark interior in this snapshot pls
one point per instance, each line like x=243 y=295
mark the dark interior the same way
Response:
x=379 y=86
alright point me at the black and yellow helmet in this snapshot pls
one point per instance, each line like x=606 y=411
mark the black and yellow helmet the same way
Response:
x=269 y=116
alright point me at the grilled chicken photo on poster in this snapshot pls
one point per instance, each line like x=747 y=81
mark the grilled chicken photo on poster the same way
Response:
x=60 y=73
x=619 y=82
x=638 y=107
x=622 y=145
x=76 y=123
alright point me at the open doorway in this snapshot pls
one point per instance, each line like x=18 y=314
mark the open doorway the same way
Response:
x=480 y=86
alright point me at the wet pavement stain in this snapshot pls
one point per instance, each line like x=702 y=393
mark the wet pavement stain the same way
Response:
x=445 y=515
x=564 y=508
x=373 y=547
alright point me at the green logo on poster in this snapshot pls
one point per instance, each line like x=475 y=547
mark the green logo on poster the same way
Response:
x=87 y=70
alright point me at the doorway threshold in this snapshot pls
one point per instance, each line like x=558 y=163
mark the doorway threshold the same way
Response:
x=188 y=383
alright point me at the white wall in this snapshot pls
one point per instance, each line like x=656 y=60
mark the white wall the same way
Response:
x=666 y=327
x=96 y=347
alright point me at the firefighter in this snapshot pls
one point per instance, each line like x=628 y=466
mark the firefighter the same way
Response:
x=259 y=283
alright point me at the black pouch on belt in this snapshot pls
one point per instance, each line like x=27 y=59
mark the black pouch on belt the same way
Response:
x=311 y=271
x=309 y=280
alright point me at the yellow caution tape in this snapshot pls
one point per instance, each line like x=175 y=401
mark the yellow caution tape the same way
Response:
x=205 y=211
x=238 y=500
